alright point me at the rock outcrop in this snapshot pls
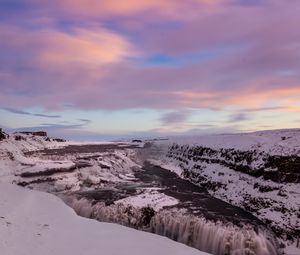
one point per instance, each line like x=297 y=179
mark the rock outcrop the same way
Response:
x=280 y=169
x=35 y=133
x=2 y=135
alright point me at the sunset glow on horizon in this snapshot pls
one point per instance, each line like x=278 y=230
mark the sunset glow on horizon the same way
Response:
x=106 y=69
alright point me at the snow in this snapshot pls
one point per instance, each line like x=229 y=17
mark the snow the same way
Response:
x=65 y=174
x=150 y=197
x=33 y=222
x=273 y=142
x=167 y=165
x=13 y=161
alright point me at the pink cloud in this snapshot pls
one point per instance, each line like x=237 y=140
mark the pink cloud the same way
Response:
x=104 y=8
x=96 y=46
x=91 y=68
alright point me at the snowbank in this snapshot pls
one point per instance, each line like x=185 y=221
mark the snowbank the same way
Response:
x=33 y=222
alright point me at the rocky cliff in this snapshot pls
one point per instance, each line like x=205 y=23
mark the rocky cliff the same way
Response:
x=259 y=172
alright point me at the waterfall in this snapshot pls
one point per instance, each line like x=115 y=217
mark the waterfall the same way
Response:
x=213 y=237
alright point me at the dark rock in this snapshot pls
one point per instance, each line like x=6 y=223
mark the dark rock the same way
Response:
x=136 y=141
x=281 y=193
x=276 y=168
x=51 y=171
x=147 y=214
x=2 y=135
x=104 y=166
x=36 y=133
x=59 y=140
x=42 y=180
x=19 y=138
x=264 y=188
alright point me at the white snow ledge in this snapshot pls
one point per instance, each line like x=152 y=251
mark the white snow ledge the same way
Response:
x=35 y=223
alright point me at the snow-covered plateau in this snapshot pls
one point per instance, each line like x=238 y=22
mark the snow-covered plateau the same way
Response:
x=113 y=183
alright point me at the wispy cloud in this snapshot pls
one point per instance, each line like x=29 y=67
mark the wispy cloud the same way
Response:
x=238 y=117
x=263 y=109
x=86 y=121
x=16 y=111
x=174 y=117
x=82 y=123
x=56 y=128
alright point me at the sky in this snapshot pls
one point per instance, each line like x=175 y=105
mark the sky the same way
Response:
x=107 y=69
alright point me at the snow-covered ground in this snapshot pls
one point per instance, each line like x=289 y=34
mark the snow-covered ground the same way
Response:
x=215 y=162
x=13 y=161
x=33 y=222
x=275 y=142
x=67 y=172
x=150 y=197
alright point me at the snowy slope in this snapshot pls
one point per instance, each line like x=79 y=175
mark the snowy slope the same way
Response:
x=32 y=222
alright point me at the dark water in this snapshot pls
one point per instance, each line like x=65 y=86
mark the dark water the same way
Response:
x=196 y=200
x=90 y=148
